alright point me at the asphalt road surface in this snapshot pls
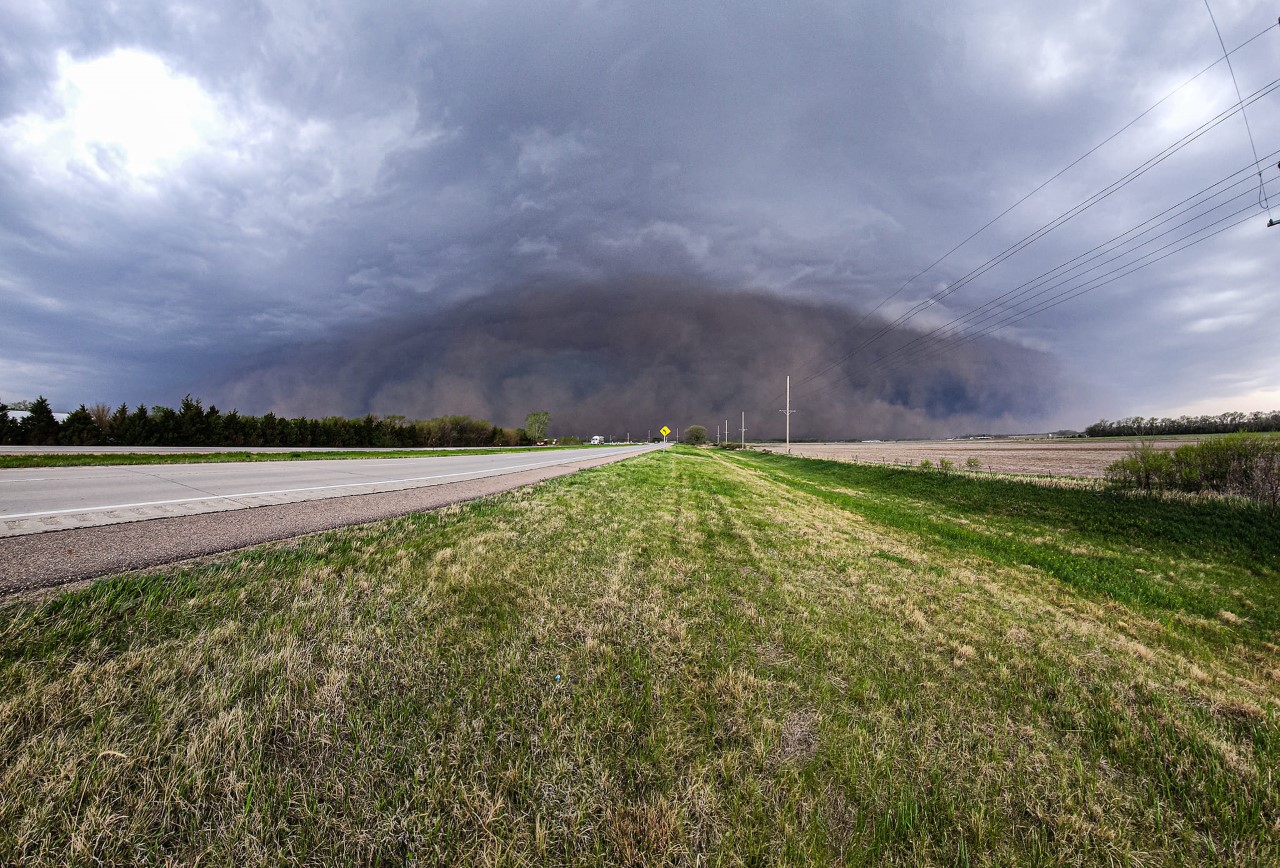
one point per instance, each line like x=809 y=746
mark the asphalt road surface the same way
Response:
x=211 y=450
x=62 y=524
x=39 y=500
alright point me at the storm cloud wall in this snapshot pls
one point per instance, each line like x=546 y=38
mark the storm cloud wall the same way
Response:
x=631 y=357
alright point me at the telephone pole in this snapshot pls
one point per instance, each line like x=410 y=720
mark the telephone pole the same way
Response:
x=744 y=429
x=787 y=413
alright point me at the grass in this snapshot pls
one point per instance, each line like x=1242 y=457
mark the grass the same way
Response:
x=97 y=459
x=1209 y=555
x=688 y=657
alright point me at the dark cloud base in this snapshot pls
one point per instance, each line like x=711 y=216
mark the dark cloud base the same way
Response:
x=632 y=356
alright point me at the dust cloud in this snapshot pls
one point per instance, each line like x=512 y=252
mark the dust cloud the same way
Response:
x=631 y=357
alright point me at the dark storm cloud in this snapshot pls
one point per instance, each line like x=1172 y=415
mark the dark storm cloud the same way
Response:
x=323 y=168
x=637 y=354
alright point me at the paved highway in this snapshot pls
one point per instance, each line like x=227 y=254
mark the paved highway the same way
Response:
x=210 y=450
x=40 y=500
x=81 y=544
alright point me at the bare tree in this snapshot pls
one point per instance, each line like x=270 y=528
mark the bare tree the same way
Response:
x=101 y=415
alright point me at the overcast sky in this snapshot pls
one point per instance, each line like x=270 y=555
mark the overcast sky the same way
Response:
x=236 y=199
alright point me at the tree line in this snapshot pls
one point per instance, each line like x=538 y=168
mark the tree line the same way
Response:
x=1225 y=423
x=192 y=424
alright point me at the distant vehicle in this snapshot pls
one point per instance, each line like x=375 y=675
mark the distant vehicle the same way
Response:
x=597 y=440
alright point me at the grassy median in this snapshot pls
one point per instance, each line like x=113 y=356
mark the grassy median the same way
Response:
x=689 y=657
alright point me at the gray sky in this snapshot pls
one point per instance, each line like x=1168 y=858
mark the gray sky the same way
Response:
x=238 y=200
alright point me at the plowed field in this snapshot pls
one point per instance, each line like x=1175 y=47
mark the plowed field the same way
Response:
x=1086 y=458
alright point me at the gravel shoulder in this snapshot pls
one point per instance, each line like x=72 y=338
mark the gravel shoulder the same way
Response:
x=59 y=557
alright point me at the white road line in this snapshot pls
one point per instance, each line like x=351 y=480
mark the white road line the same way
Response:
x=309 y=488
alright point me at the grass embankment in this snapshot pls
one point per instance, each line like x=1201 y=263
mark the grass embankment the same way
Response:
x=100 y=459
x=686 y=657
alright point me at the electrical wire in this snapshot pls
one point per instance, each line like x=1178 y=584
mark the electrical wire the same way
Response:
x=1020 y=292
x=917 y=349
x=1065 y=297
x=1020 y=314
x=1226 y=55
x=1045 y=229
x=924 y=352
x=1044 y=184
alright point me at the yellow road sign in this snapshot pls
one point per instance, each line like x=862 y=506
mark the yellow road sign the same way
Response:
x=664 y=430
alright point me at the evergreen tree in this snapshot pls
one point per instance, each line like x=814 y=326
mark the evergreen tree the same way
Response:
x=137 y=430
x=189 y=426
x=118 y=425
x=79 y=429
x=164 y=426
x=40 y=428
x=8 y=427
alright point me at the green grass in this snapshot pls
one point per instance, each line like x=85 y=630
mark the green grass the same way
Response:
x=688 y=657
x=1211 y=555
x=97 y=459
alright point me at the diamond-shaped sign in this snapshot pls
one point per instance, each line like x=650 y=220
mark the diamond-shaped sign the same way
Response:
x=664 y=430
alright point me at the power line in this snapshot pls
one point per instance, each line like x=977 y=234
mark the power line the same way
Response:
x=917 y=349
x=1226 y=55
x=923 y=353
x=957 y=340
x=1063 y=218
x=1065 y=297
x=1044 y=184
x=1062 y=298
x=1100 y=250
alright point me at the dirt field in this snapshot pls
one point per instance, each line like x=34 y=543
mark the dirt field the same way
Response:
x=1087 y=458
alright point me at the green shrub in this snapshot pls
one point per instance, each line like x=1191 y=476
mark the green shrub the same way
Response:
x=1239 y=465
x=926 y=464
x=973 y=463
x=1145 y=468
x=695 y=435
x=946 y=465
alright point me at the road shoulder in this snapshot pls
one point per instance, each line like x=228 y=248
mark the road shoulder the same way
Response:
x=55 y=558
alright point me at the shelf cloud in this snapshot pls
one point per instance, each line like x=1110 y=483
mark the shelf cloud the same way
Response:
x=634 y=355
x=186 y=193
